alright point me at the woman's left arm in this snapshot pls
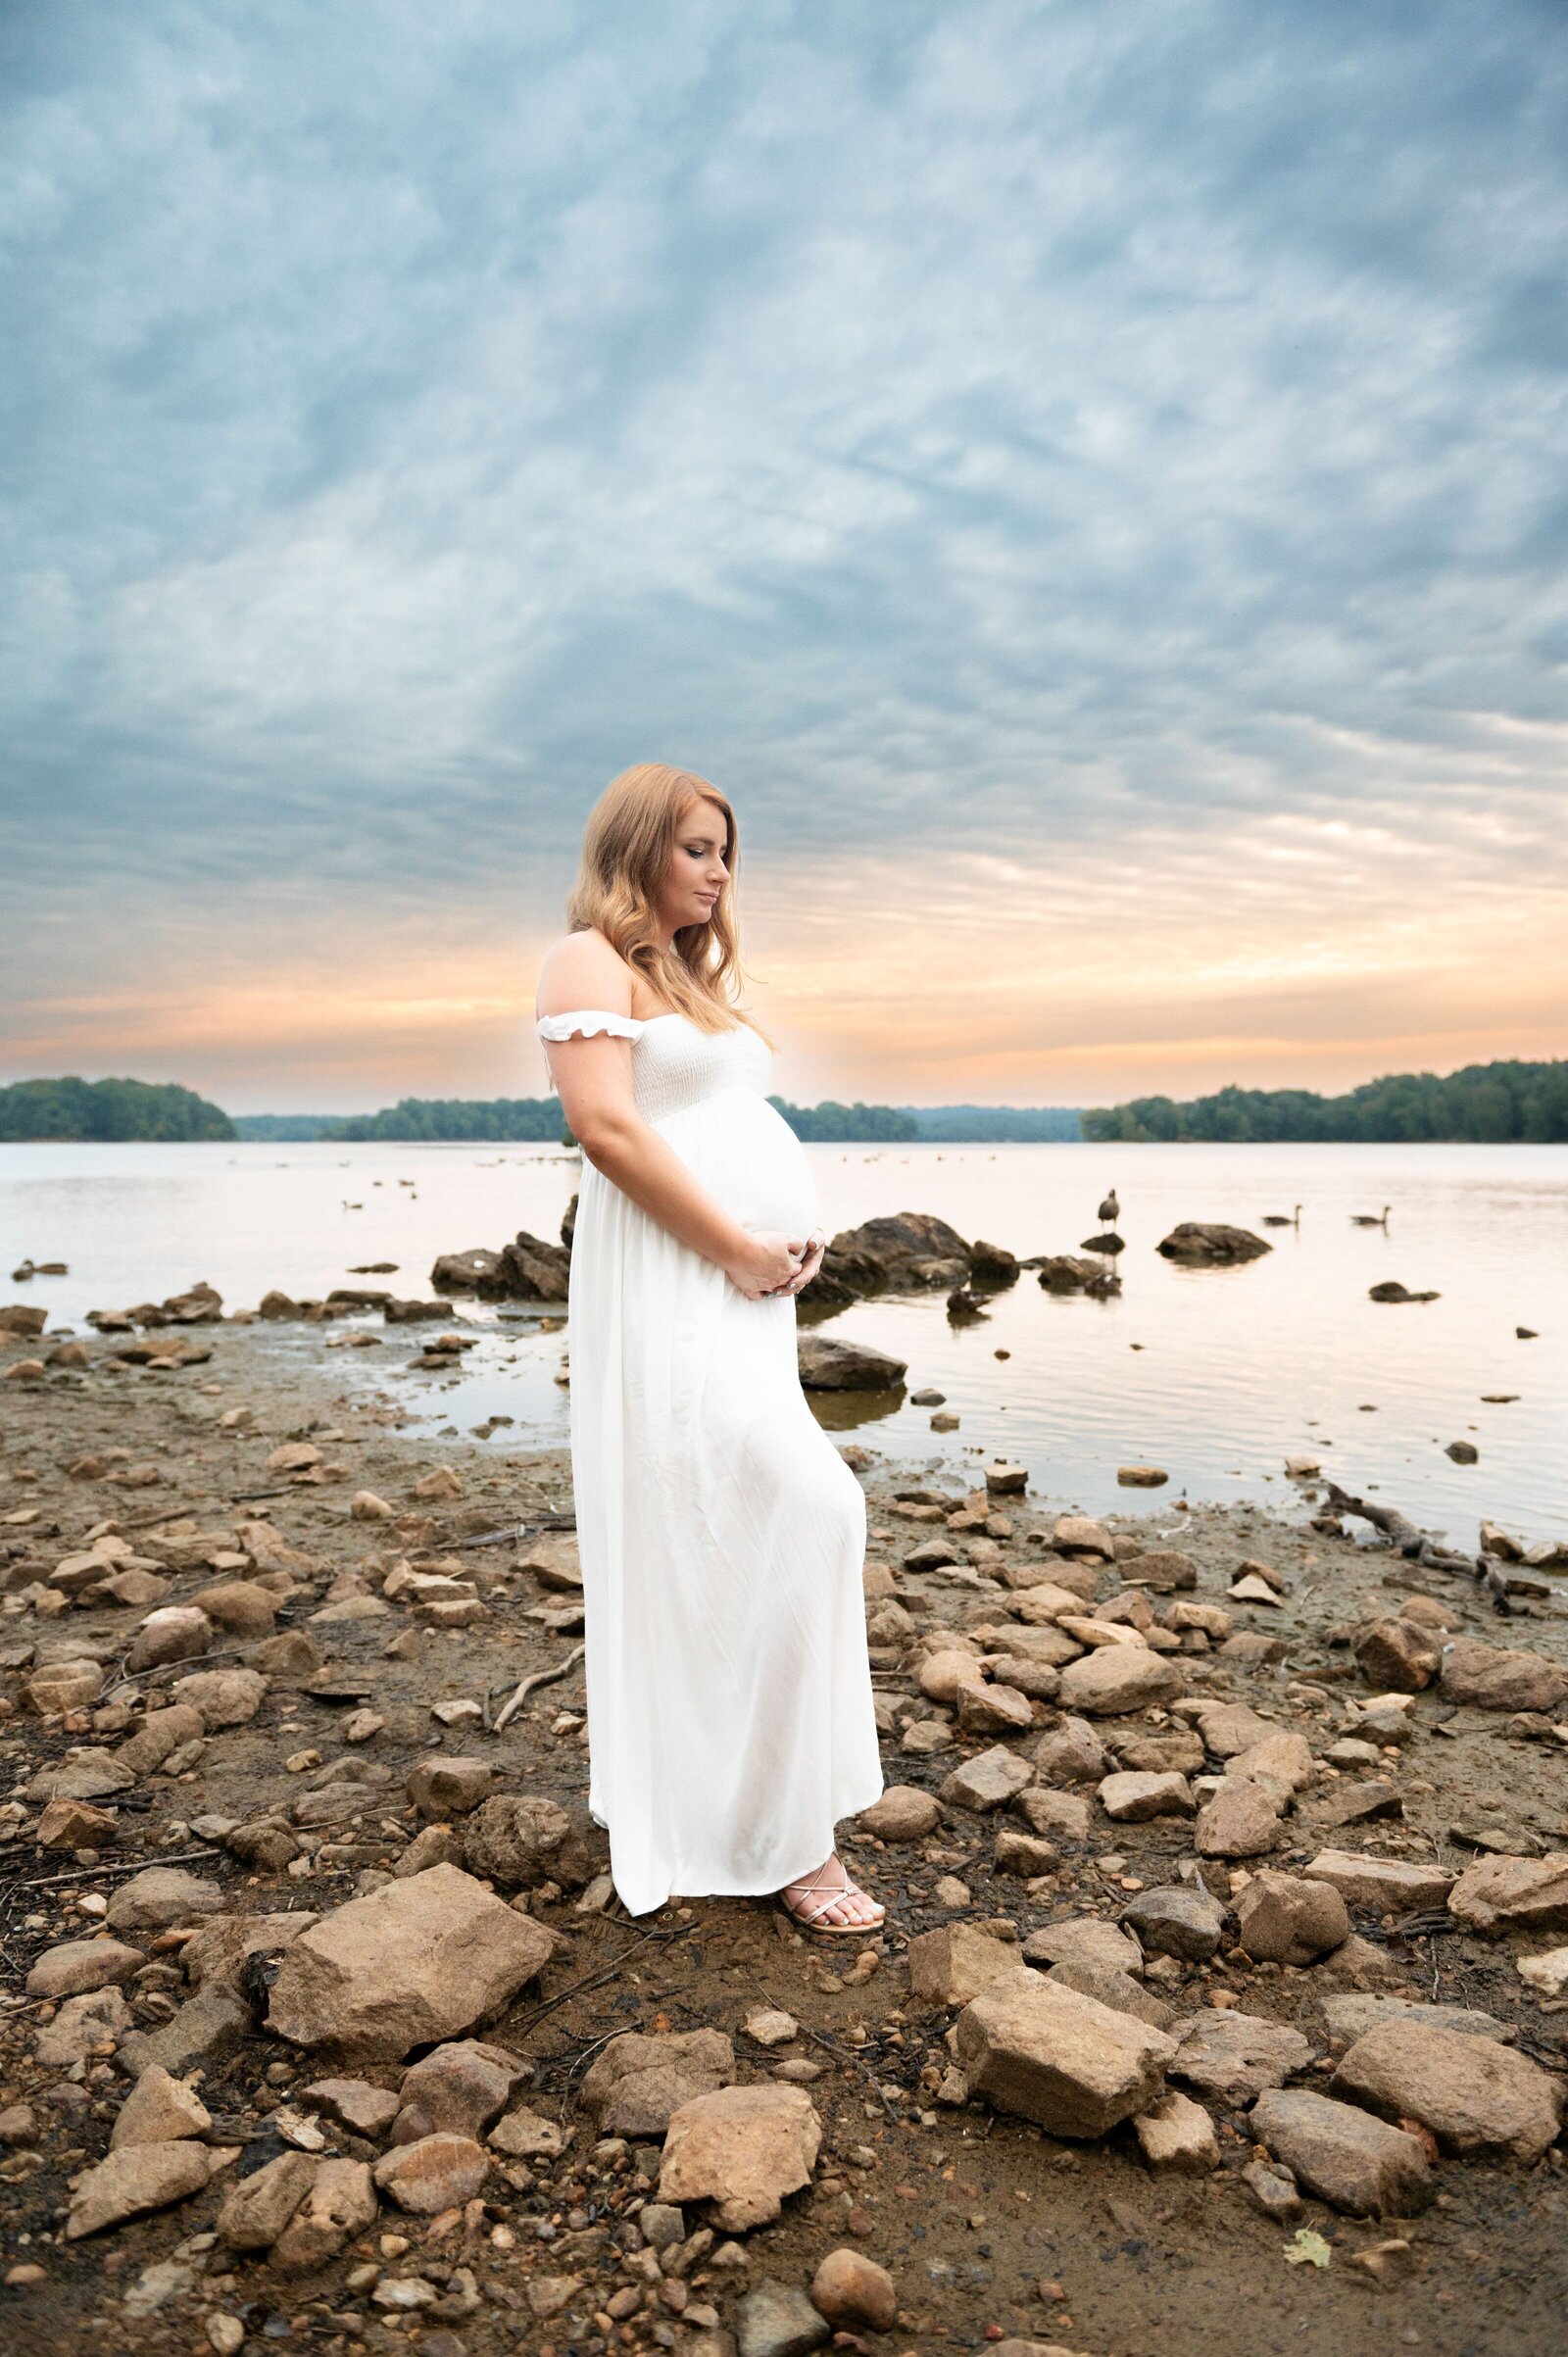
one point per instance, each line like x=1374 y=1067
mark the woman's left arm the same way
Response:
x=816 y=1245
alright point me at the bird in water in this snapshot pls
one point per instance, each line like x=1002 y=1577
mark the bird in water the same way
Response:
x=1110 y=1210
x=1368 y=1220
x=1278 y=1220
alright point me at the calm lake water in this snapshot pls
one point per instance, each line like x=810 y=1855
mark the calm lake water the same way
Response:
x=1217 y=1375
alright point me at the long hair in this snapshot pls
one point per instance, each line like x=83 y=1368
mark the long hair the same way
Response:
x=627 y=849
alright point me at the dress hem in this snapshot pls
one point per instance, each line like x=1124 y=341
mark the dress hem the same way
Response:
x=755 y=1889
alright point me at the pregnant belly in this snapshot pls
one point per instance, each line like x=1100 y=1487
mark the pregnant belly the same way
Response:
x=747 y=1156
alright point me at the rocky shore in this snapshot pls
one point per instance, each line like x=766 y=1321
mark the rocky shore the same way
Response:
x=1223 y=1997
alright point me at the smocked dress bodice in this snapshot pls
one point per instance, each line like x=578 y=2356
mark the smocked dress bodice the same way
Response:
x=673 y=1065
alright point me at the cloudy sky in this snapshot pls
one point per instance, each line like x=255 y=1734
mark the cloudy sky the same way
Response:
x=1091 y=482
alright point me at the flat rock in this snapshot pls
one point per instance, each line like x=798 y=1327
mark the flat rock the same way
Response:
x=130 y=2182
x=161 y=1895
x=636 y=2084
x=1548 y=1972
x=1381 y=1885
x=953 y=1963
x=1512 y=1895
x=988 y=1780
x=1473 y=2096
x=1117 y=1679
x=1343 y=2155
x=1228 y=1729
x=76 y=1966
x=1178 y=1919
x=1239 y=1820
x=1083 y=1940
x=1059 y=2058
x=84 y=2029
x=1132 y=1796
x=434 y=2174
x=206 y=2026
x=1117 y=1990
x=527 y=2135
x=1235 y=2056
x=1490 y=1678
x=904 y=1813
x=1284 y=1756
x=744 y=2149
x=1352 y=2015
x=1058 y=1816
x=340 y=2204
x=353 y=2103
x=1285 y=1919
x=418 y=1961
x=86 y=1773
x=1176 y=2134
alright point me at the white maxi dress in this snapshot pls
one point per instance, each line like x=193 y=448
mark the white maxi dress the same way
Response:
x=721 y=1535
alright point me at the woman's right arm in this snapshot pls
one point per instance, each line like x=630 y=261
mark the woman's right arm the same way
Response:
x=593 y=1078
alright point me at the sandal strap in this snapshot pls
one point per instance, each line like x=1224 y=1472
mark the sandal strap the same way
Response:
x=848 y=1888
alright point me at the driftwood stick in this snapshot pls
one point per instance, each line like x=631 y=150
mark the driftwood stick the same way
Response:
x=528 y=1686
x=1419 y=1546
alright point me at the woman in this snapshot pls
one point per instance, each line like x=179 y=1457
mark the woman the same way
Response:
x=722 y=1536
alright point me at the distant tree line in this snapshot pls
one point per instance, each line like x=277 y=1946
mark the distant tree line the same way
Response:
x=1484 y=1104
x=499 y=1120
x=107 y=1111
x=829 y=1123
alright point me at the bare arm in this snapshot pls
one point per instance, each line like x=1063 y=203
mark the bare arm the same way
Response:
x=593 y=1078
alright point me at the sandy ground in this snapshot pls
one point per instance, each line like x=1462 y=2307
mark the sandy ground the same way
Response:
x=988 y=2227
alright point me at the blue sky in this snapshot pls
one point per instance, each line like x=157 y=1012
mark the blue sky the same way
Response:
x=1088 y=482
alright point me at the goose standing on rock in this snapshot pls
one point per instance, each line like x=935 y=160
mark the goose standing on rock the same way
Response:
x=1368 y=1220
x=1110 y=1210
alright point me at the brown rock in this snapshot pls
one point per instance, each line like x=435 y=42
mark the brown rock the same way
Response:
x=1381 y=1885
x=1343 y=2155
x=86 y=2027
x=462 y=2087
x=444 y=1787
x=851 y=2290
x=953 y=1963
x=1239 y=1820
x=1084 y=1939
x=174 y=1633
x=158 y=2110
x=255 y=2211
x=1132 y=1796
x=77 y=1966
x=1285 y=1919
x=1073 y=2066
x=1117 y=1679
x=1071 y=1754
x=1237 y=2055
x=340 y=2204
x=61 y=1686
x=415 y=1962
x=128 y=2184
x=988 y=1780
x=240 y=1606
x=225 y=1697
x=521 y=1840
x=1058 y=1816
x=369 y=2111
x=1281 y=1757
x=904 y=1813
x=159 y=1737
x=1476 y=2097
x=1117 y=1990
x=161 y=1895
x=75 y=1825
x=1397 y=1657
x=1493 y=1679
x=437 y=2172
x=744 y=2148
x=1177 y=2133
x=636 y=2084
x=992 y=1710
x=1177 y=1919
x=1513 y=1895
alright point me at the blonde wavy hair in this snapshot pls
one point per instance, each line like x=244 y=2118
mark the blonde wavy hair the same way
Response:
x=626 y=851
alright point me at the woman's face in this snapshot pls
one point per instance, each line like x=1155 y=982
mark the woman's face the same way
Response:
x=697 y=873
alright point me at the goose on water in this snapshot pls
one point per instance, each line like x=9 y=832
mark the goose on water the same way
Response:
x=1368 y=1219
x=1278 y=1220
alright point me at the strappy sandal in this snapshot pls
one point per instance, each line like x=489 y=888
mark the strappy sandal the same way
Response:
x=808 y=1920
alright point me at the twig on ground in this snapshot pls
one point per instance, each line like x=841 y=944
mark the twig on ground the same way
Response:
x=1419 y=1546
x=607 y=1972
x=526 y=1686
x=95 y=1873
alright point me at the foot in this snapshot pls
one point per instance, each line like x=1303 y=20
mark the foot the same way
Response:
x=805 y=1898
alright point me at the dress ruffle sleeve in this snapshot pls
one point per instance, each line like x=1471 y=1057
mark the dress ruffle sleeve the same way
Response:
x=588 y=1020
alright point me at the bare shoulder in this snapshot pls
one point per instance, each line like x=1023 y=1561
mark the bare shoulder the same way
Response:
x=582 y=969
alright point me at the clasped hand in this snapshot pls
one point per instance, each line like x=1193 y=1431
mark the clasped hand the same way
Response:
x=779 y=1263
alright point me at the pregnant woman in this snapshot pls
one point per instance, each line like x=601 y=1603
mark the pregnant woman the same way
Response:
x=721 y=1535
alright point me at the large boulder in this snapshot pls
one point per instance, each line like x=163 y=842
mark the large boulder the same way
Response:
x=743 y=2148
x=416 y=1962
x=1343 y=2155
x=1059 y=2058
x=1210 y=1243
x=828 y=1363
x=1474 y=2096
x=1492 y=1678
x=904 y=1251
x=520 y=1841
x=635 y=2083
